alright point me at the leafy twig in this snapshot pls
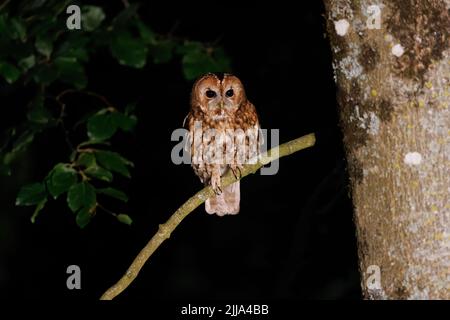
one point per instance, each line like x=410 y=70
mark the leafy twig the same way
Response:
x=167 y=228
x=106 y=210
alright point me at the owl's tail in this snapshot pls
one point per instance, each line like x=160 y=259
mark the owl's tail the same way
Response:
x=225 y=203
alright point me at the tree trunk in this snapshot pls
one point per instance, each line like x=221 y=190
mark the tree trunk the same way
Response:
x=392 y=69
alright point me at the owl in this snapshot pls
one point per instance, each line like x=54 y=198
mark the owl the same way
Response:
x=224 y=134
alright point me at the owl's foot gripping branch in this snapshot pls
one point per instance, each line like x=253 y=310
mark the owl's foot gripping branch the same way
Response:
x=167 y=228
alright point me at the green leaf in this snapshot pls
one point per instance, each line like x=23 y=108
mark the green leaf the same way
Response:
x=74 y=46
x=79 y=53
x=128 y=50
x=12 y=27
x=45 y=74
x=125 y=15
x=101 y=127
x=27 y=62
x=33 y=5
x=39 y=115
x=86 y=159
x=83 y=217
x=91 y=17
x=221 y=60
x=124 y=122
x=189 y=46
x=83 y=119
x=37 y=210
x=8 y=158
x=93 y=143
x=59 y=7
x=114 y=162
x=194 y=64
x=81 y=195
x=162 y=51
x=9 y=71
x=73 y=155
x=44 y=45
x=147 y=35
x=197 y=62
x=62 y=177
x=19 y=145
x=99 y=173
x=129 y=109
x=18 y=30
x=23 y=140
x=5 y=170
x=46 y=25
x=124 y=218
x=31 y=194
x=114 y=193
x=71 y=71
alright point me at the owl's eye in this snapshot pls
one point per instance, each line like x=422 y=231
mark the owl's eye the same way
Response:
x=229 y=93
x=210 y=94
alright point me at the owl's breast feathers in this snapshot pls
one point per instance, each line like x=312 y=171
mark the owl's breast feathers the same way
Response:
x=244 y=118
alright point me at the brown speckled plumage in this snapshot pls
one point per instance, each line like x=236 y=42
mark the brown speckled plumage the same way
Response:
x=227 y=108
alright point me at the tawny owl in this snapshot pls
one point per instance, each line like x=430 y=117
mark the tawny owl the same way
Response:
x=224 y=134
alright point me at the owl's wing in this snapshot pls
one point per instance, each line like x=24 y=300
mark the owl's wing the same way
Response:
x=185 y=119
x=256 y=138
x=188 y=141
x=188 y=134
x=260 y=138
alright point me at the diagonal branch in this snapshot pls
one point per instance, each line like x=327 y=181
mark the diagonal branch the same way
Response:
x=166 y=229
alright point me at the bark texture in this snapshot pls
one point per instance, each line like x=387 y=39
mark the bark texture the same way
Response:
x=394 y=95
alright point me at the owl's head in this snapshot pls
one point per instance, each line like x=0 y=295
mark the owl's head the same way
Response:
x=218 y=95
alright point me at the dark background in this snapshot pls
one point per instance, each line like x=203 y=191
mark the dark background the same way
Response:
x=294 y=237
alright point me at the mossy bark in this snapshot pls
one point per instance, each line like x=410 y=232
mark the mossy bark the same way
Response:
x=393 y=84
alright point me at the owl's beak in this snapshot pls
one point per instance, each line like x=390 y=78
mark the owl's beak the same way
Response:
x=221 y=104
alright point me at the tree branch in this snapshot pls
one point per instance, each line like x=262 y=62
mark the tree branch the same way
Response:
x=167 y=228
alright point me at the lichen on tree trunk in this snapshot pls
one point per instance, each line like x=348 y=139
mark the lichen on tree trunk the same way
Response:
x=393 y=83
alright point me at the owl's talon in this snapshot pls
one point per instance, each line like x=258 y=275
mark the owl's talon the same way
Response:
x=234 y=169
x=217 y=190
x=215 y=184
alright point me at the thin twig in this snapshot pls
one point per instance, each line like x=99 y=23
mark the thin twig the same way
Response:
x=216 y=42
x=167 y=228
x=106 y=210
x=173 y=28
x=4 y=4
x=60 y=121
x=88 y=93
x=66 y=134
